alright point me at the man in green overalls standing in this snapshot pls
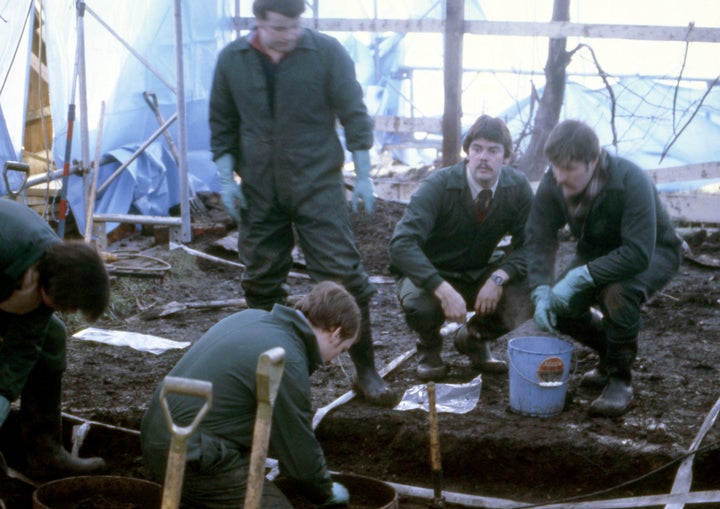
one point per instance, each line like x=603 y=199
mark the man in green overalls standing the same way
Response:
x=276 y=98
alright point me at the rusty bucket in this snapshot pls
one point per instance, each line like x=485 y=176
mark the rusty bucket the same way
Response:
x=365 y=493
x=98 y=491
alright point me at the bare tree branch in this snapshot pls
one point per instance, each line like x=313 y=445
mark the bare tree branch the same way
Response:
x=692 y=116
x=603 y=75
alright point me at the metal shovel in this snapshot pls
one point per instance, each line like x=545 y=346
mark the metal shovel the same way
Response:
x=269 y=373
x=172 y=489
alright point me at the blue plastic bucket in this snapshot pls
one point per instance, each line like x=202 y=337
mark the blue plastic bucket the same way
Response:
x=539 y=374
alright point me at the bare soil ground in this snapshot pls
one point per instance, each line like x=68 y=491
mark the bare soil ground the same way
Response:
x=490 y=451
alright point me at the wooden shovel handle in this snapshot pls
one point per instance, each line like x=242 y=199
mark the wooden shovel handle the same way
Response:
x=269 y=373
x=175 y=470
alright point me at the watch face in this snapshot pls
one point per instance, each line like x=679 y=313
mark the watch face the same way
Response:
x=497 y=280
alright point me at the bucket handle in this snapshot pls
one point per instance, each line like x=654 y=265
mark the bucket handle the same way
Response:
x=573 y=363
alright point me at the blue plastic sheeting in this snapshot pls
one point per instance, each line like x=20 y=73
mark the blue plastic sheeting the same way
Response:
x=115 y=76
x=118 y=78
x=643 y=120
x=644 y=123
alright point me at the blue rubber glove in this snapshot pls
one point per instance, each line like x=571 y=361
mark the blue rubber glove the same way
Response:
x=364 y=189
x=232 y=197
x=4 y=409
x=340 y=496
x=544 y=318
x=577 y=280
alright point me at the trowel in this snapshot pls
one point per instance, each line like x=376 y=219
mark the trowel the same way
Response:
x=700 y=259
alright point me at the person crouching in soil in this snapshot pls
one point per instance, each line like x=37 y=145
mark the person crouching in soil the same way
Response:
x=322 y=325
x=627 y=249
x=445 y=252
x=39 y=275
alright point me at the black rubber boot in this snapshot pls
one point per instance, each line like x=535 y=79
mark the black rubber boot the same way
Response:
x=430 y=365
x=469 y=343
x=368 y=382
x=596 y=377
x=617 y=396
x=615 y=399
x=41 y=425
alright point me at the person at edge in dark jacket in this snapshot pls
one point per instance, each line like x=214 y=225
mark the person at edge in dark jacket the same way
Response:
x=39 y=275
x=627 y=249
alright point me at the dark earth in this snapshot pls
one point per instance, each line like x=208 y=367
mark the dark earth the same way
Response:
x=495 y=456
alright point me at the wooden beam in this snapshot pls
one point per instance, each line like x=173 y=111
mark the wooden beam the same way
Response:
x=562 y=29
x=39 y=67
x=693 y=208
x=452 y=69
x=699 y=171
x=553 y=29
x=408 y=124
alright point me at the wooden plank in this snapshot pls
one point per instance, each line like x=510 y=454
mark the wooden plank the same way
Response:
x=700 y=171
x=693 y=208
x=408 y=124
x=690 y=207
x=561 y=29
x=553 y=29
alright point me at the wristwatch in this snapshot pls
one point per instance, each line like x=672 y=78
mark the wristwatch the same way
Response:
x=498 y=280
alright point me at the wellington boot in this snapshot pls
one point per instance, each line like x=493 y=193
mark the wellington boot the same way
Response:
x=596 y=377
x=368 y=382
x=467 y=343
x=45 y=464
x=615 y=399
x=430 y=365
x=370 y=385
x=41 y=425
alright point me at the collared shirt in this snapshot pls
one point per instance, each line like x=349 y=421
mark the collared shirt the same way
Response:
x=475 y=188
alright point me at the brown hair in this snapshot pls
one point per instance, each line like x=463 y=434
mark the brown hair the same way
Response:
x=74 y=276
x=572 y=140
x=329 y=306
x=492 y=129
x=288 y=8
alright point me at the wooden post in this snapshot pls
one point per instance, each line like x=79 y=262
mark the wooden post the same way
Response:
x=453 y=69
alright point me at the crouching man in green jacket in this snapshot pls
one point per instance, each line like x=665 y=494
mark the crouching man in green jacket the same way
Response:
x=445 y=252
x=39 y=275
x=323 y=324
x=627 y=249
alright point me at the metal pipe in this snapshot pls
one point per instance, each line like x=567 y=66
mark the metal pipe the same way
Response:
x=62 y=213
x=138 y=219
x=82 y=101
x=131 y=50
x=137 y=153
x=185 y=230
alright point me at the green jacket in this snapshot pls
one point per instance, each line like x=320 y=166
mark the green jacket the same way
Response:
x=626 y=224
x=24 y=238
x=227 y=356
x=287 y=152
x=439 y=236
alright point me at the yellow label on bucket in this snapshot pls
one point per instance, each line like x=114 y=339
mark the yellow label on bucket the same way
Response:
x=551 y=370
